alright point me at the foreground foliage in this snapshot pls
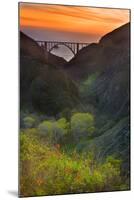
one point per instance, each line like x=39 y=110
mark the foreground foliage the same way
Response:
x=47 y=170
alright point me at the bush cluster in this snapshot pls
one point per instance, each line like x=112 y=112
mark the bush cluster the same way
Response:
x=46 y=170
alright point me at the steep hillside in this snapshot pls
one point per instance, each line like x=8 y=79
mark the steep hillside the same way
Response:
x=29 y=47
x=110 y=60
x=111 y=51
x=43 y=86
x=105 y=84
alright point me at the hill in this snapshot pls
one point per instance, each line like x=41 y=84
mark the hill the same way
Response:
x=112 y=49
x=29 y=47
x=43 y=86
x=110 y=60
x=103 y=72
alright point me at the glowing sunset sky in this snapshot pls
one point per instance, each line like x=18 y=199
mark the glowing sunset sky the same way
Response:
x=57 y=22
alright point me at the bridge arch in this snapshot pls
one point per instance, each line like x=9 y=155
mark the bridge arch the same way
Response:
x=74 y=47
x=63 y=44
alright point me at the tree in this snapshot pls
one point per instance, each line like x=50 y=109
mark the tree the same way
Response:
x=29 y=122
x=60 y=129
x=46 y=129
x=53 y=92
x=54 y=130
x=82 y=125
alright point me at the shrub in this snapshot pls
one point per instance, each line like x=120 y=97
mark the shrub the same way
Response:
x=86 y=86
x=82 y=125
x=46 y=129
x=54 y=130
x=66 y=113
x=60 y=129
x=29 y=122
x=47 y=171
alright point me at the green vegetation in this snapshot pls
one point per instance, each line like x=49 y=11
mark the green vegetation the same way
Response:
x=47 y=170
x=54 y=130
x=53 y=92
x=86 y=86
x=29 y=122
x=82 y=125
x=72 y=148
x=74 y=119
x=49 y=164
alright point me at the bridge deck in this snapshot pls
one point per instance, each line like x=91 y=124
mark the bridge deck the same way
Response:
x=84 y=43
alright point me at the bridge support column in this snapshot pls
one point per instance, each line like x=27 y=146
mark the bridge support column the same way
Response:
x=73 y=46
x=77 y=49
x=45 y=46
x=45 y=50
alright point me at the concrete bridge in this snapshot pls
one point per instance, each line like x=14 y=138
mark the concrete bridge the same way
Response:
x=72 y=46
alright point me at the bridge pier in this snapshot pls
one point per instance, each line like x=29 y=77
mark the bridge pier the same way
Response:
x=45 y=45
x=77 y=48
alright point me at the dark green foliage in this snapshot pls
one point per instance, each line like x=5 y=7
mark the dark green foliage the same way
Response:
x=53 y=92
x=86 y=86
x=29 y=122
x=66 y=113
x=43 y=87
x=114 y=140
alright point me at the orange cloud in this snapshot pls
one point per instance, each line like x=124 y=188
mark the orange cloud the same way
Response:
x=72 y=18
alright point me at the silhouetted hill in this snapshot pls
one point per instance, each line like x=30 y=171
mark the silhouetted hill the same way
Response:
x=43 y=86
x=110 y=58
x=29 y=47
x=113 y=49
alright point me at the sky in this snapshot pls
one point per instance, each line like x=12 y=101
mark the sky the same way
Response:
x=69 y=23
